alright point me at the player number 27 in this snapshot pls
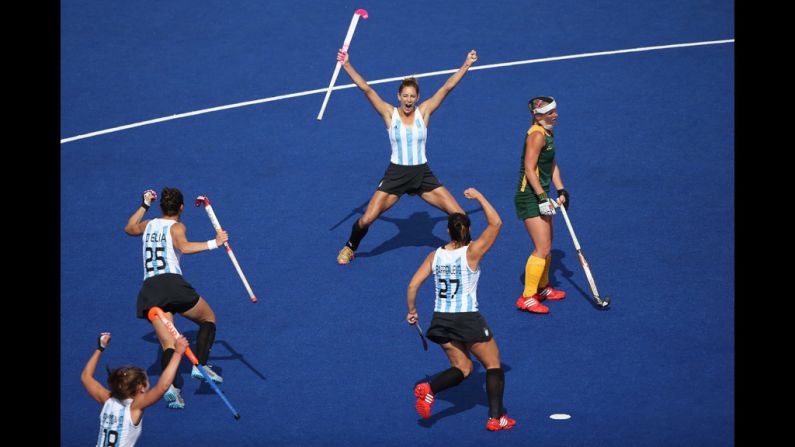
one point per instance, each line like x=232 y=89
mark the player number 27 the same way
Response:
x=444 y=286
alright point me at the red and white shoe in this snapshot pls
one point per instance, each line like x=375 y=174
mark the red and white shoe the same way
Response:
x=548 y=293
x=424 y=399
x=503 y=423
x=531 y=305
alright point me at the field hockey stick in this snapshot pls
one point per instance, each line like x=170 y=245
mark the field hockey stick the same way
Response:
x=602 y=304
x=157 y=312
x=345 y=44
x=211 y=214
x=419 y=331
x=422 y=337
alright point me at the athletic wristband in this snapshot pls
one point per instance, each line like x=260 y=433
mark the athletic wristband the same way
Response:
x=542 y=197
x=145 y=206
x=211 y=244
x=100 y=348
x=563 y=193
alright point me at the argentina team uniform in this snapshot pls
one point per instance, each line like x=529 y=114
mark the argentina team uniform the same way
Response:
x=408 y=170
x=456 y=316
x=456 y=284
x=158 y=249
x=115 y=425
x=163 y=285
x=408 y=143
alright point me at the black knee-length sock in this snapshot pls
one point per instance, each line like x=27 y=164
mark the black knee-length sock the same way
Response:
x=495 y=386
x=447 y=379
x=357 y=234
x=164 y=360
x=204 y=341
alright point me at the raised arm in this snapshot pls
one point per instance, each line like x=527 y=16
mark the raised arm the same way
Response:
x=481 y=245
x=95 y=389
x=166 y=379
x=134 y=225
x=182 y=244
x=416 y=281
x=429 y=106
x=382 y=107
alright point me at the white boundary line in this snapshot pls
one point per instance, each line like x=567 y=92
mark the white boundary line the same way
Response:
x=381 y=81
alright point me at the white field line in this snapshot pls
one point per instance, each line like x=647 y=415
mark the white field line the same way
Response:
x=381 y=81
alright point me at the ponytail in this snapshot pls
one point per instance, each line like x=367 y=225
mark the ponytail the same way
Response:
x=458 y=226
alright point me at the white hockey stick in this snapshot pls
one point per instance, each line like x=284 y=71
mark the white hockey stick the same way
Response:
x=207 y=207
x=346 y=43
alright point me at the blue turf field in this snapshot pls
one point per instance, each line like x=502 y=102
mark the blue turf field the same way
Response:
x=645 y=145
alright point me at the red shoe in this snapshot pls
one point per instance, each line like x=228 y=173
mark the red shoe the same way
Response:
x=531 y=305
x=503 y=423
x=424 y=399
x=548 y=293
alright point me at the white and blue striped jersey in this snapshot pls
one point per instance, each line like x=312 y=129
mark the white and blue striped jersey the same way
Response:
x=408 y=143
x=456 y=283
x=115 y=425
x=159 y=254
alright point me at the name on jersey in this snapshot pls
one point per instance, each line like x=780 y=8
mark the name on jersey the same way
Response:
x=448 y=269
x=154 y=237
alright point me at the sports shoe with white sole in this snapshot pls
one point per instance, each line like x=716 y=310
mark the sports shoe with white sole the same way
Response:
x=196 y=374
x=174 y=398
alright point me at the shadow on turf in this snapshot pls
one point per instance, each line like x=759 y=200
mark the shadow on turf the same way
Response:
x=414 y=231
x=466 y=396
x=185 y=367
x=557 y=265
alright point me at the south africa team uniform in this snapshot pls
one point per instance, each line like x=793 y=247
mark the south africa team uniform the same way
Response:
x=116 y=428
x=525 y=199
x=164 y=285
x=408 y=170
x=455 y=313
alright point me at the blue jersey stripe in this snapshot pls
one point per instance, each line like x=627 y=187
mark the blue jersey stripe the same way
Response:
x=120 y=427
x=459 y=301
x=165 y=258
x=410 y=144
x=399 y=142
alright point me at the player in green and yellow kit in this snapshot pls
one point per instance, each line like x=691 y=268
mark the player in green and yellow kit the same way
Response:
x=533 y=205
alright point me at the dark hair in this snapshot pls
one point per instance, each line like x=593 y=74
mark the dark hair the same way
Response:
x=409 y=82
x=536 y=102
x=170 y=201
x=124 y=381
x=458 y=225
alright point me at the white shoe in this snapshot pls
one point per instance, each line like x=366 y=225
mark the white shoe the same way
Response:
x=196 y=374
x=174 y=398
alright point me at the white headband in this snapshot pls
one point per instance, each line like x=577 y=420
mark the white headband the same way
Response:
x=546 y=108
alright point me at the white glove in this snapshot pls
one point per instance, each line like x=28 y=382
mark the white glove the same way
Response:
x=148 y=197
x=103 y=340
x=545 y=205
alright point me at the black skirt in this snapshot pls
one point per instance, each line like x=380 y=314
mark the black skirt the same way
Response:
x=168 y=291
x=464 y=327
x=412 y=180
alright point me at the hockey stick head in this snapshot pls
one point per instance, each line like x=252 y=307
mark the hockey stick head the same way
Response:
x=202 y=200
x=153 y=313
x=422 y=337
x=362 y=13
x=602 y=304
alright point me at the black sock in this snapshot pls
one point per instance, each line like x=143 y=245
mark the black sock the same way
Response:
x=447 y=379
x=495 y=386
x=204 y=341
x=357 y=234
x=164 y=360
